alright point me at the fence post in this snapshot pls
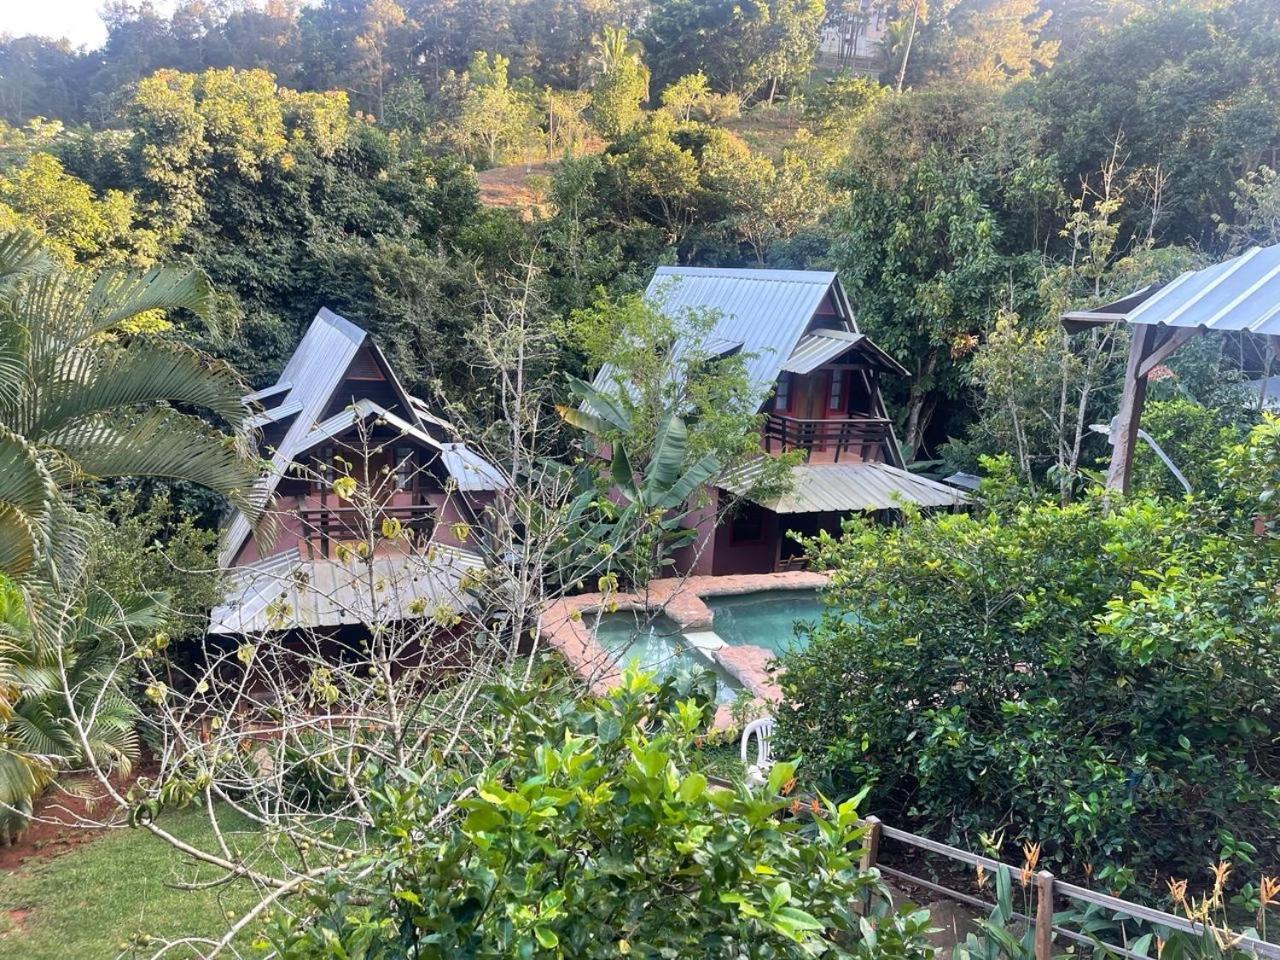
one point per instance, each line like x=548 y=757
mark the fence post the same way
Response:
x=1044 y=915
x=872 y=850
x=869 y=855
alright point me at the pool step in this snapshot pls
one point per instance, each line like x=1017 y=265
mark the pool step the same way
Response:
x=704 y=641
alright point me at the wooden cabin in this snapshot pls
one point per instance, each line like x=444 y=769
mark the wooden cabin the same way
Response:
x=339 y=408
x=821 y=379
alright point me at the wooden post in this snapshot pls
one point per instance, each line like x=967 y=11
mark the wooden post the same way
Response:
x=1132 y=399
x=1044 y=915
x=872 y=851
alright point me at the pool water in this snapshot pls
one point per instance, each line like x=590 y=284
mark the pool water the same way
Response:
x=658 y=646
x=766 y=619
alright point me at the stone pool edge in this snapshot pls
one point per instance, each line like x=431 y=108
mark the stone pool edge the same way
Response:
x=681 y=599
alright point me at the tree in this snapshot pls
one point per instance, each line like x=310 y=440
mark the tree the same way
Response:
x=984 y=41
x=686 y=95
x=768 y=201
x=494 y=117
x=1186 y=89
x=1092 y=680
x=76 y=226
x=620 y=85
x=593 y=837
x=739 y=47
x=69 y=649
x=948 y=195
x=76 y=405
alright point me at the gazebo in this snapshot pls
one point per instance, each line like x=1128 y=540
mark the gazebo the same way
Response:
x=1241 y=295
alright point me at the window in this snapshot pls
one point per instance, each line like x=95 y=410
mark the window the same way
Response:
x=747 y=525
x=782 y=393
x=837 y=390
x=405 y=467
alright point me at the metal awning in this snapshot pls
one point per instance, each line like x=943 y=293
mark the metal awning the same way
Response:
x=1240 y=294
x=470 y=471
x=286 y=592
x=275 y=414
x=852 y=487
x=823 y=346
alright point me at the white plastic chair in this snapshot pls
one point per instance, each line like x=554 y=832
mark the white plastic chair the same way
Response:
x=762 y=731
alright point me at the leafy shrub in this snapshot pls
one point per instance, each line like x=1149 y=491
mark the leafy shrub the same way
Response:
x=591 y=838
x=1101 y=682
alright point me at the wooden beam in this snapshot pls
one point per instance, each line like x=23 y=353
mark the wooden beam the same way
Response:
x=1176 y=337
x=1132 y=398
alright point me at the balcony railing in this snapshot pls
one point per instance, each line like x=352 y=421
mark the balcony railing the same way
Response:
x=831 y=438
x=327 y=526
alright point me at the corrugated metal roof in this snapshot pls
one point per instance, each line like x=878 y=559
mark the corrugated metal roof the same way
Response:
x=470 y=471
x=311 y=375
x=275 y=414
x=765 y=311
x=844 y=488
x=286 y=592
x=823 y=346
x=1242 y=293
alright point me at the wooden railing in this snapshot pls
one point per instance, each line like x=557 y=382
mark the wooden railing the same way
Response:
x=832 y=437
x=329 y=525
x=1049 y=892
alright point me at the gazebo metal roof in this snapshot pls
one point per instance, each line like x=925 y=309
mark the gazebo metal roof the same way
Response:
x=1240 y=294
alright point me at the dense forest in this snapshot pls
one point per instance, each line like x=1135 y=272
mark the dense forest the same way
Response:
x=485 y=187
x=993 y=162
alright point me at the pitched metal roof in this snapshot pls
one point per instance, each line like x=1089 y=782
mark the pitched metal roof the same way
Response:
x=1242 y=293
x=275 y=414
x=822 y=346
x=310 y=377
x=305 y=388
x=470 y=471
x=285 y=592
x=764 y=311
x=848 y=487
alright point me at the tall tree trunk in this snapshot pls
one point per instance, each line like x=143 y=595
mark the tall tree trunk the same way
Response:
x=911 y=35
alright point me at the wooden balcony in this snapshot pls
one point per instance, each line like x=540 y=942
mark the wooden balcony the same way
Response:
x=325 y=527
x=858 y=439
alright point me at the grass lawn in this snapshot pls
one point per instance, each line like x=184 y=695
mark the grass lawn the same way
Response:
x=88 y=903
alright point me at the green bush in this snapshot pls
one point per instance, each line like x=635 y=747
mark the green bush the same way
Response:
x=1102 y=682
x=592 y=838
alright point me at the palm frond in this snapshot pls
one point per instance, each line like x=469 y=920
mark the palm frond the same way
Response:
x=27 y=500
x=164 y=443
x=89 y=383
x=21 y=255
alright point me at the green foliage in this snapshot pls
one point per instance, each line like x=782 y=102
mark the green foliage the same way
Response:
x=591 y=837
x=76 y=405
x=1185 y=90
x=620 y=86
x=660 y=363
x=946 y=195
x=493 y=118
x=41 y=197
x=64 y=653
x=739 y=47
x=1097 y=681
x=1195 y=437
x=146 y=546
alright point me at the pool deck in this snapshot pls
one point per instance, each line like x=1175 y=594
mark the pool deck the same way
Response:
x=563 y=625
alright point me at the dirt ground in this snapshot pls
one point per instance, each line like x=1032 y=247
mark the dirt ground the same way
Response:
x=53 y=831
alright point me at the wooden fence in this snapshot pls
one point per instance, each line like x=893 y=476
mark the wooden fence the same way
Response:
x=1048 y=892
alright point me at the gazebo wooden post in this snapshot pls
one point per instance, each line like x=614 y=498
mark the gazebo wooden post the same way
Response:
x=1124 y=432
x=1151 y=345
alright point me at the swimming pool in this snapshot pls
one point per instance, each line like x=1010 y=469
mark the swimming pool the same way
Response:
x=766 y=619
x=657 y=645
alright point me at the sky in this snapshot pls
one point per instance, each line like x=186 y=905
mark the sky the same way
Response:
x=77 y=20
